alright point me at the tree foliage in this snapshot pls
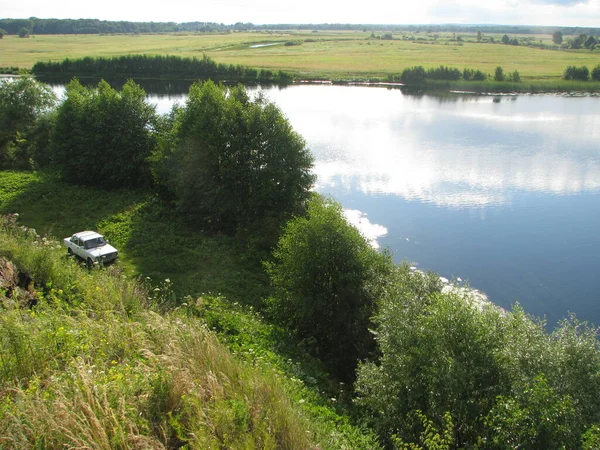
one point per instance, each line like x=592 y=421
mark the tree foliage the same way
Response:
x=596 y=73
x=234 y=163
x=327 y=280
x=504 y=380
x=557 y=37
x=157 y=66
x=104 y=137
x=499 y=74
x=576 y=73
x=23 y=102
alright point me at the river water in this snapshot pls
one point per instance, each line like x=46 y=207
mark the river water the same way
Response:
x=502 y=192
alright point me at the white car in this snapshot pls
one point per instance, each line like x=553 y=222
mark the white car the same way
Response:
x=91 y=247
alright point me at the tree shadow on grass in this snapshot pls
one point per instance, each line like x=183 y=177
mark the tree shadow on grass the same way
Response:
x=153 y=241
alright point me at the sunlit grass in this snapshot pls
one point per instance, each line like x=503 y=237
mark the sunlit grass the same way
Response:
x=325 y=54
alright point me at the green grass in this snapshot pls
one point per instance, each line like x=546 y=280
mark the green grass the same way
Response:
x=103 y=361
x=151 y=240
x=332 y=55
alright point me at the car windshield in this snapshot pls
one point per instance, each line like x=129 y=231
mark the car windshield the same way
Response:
x=93 y=243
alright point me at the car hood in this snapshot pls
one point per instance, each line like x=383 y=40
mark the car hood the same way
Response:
x=101 y=251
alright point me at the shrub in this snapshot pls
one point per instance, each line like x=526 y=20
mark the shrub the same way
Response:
x=498 y=74
x=327 y=279
x=473 y=75
x=413 y=75
x=576 y=73
x=596 y=73
x=444 y=73
x=505 y=381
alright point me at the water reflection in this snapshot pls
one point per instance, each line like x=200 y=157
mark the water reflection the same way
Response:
x=473 y=154
x=371 y=231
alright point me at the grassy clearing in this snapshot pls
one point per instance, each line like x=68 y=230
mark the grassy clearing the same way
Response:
x=324 y=54
x=98 y=361
x=151 y=241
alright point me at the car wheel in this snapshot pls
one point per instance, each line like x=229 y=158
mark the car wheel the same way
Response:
x=69 y=251
x=90 y=263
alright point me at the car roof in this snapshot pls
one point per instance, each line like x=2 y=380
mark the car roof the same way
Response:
x=87 y=235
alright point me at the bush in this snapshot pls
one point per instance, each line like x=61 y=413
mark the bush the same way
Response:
x=327 y=279
x=413 y=75
x=499 y=74
x=473 y=75
x=576 y=73
x=505 y=381
x=596 y=73
x=444 y=73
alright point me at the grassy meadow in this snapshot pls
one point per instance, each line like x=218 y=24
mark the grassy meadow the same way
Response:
x=326 y=54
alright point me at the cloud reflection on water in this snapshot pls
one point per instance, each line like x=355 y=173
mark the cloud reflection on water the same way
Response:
x=474 y=153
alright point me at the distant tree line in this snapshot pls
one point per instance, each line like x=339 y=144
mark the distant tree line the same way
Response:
x=157 y=66
x=95 y=26
x=419 y=75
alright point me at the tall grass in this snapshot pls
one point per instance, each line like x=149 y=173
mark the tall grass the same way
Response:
x=88 y=360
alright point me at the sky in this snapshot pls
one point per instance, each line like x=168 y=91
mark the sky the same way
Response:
x=584 y=13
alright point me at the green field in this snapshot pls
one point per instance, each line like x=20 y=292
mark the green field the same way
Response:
x=333 y=55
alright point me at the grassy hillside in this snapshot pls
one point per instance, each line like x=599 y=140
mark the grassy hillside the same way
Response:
x=350 y=54
x=96 y=359
x=152 y=241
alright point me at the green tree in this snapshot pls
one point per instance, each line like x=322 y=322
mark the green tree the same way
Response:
x=438 y=355
x=499 y=74
x=536 y=417
x=479 y=36
x=104 y=137
x=557 y=37
x=2 y=33
x=576 y=73
x=596 y=73
x=23 y=102
x=327 y=279
x=233 y=163
x=505 y=39
x=24 y=32
x=590 y=42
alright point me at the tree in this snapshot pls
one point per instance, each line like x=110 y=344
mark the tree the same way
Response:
x=557 y=37
x=103 y=137
x=413 y=75
x=479 y=36
x=2 y=33
x=590 y=42
x=576 y=73
x=327 y=279
x=505 y=39
x=596 y=73
x=499 y=74
x=234 y=163
x=22 y=103
x=24 y=32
